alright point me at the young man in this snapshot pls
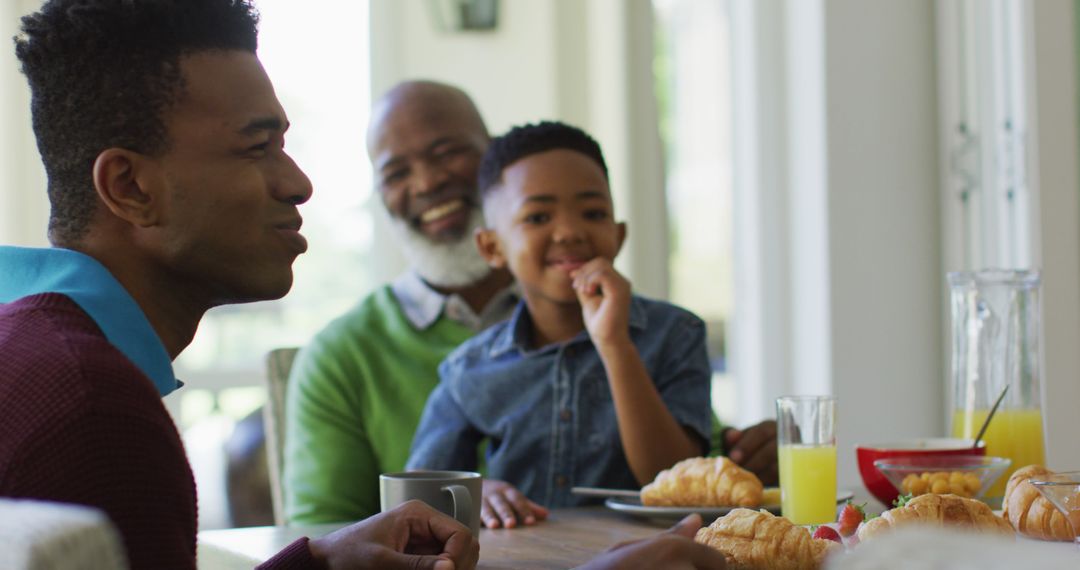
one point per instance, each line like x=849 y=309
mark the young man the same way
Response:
x=357 y=390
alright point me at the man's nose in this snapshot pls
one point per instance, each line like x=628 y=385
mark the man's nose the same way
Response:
x=293 y=186
x=428 y=177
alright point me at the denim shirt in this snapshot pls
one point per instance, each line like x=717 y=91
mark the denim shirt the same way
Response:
x=549 y=413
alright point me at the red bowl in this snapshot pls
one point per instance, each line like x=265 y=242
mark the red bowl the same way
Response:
x=875 y=481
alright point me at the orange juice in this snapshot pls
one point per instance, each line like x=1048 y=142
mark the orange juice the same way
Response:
x=808 y=483
x=1016 y=434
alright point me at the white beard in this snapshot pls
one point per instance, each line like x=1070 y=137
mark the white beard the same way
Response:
x=454 y=264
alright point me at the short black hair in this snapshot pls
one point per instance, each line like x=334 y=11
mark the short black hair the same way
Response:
x=525 y=140
x=102 y=73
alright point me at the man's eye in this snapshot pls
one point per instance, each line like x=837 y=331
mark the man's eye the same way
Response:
x=443 y=153
x=261 y=147
x=596 y=215
x=394 y=177
x=536 y=218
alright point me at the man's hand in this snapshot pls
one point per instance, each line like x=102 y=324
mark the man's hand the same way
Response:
x=674 y=549
x=504 y=506
x=604 y=295
x=411 y=536
x=754 y=448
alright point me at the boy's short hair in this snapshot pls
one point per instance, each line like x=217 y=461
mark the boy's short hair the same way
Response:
x=525 y=140
x=102 y=72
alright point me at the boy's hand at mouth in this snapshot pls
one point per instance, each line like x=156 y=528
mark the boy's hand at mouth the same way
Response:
x=604 y=295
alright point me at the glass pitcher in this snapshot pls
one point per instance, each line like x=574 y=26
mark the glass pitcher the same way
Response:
x=996 y=325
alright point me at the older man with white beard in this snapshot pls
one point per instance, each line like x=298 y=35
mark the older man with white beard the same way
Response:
x=357 y=390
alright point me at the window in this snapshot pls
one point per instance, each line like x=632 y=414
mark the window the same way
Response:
x=693 y=90
x=988 y=145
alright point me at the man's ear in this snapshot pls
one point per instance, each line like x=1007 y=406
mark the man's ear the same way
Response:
x=487 y=242
x=621 y=228
x=120 y=183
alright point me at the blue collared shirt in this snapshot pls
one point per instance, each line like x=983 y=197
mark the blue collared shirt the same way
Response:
x=81 y=278
x=549 y=412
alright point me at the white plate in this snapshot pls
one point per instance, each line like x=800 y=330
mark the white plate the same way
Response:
x=634 y=507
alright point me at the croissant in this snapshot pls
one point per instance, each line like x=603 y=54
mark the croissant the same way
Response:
x=1029 y=512
x=939 y=511
x=751 y=540
x=703 y=482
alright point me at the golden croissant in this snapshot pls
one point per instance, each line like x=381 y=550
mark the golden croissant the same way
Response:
x=939 y=511
x=751 y=540
x=703 y=482
x=1029 y=512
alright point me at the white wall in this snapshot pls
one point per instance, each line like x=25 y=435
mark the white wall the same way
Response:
x=844 y=150
x=886 y=287
x=24 y=212
x=837 y=279
x=1058 y=222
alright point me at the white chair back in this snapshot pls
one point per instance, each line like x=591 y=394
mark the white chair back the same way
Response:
x=39 y=535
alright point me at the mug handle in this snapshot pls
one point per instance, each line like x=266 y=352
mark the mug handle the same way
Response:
x=462 y=500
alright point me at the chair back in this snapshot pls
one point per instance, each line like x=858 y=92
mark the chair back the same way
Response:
x=278 y=364
x=40 y=535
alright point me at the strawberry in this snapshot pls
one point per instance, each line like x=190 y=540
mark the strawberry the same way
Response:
x=850 y=518
x=828 y=533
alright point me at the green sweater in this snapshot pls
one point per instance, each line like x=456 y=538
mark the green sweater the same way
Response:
x=355 y=397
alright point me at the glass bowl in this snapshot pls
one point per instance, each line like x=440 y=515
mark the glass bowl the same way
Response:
x=1063 y=491
x=963 y=475
x=879 y=486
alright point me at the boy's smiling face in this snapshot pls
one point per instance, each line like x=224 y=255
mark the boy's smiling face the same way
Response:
x=550 y=213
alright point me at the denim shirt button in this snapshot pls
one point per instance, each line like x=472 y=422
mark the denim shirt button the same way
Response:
x=564 y=415
x=560 y=480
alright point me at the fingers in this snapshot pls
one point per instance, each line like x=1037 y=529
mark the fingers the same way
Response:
x=508 y=508
x=750 y=440
x=687 y=527
x=755 y=450
x=683 y=552
x=433 y=532
x=503 y=505
x=588 y=281
x=597 y=277
x=501 y=509
x=519 y=506
x=488 y=515
x=763 y=463
x=539 y=511
x=417 y=562
x=460 y=549
x=731 y=439
x=705 y=557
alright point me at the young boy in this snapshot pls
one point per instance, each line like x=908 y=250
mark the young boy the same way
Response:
x=586 y=384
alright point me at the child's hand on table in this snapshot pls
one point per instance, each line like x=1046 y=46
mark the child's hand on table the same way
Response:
x=504 y=506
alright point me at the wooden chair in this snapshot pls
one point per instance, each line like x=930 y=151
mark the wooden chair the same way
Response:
x=278 y=364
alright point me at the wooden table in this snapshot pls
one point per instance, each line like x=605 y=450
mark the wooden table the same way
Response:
x=571 y=537
x=567 y=539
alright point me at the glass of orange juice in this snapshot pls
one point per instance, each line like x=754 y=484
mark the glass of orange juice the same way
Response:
x=806 y=440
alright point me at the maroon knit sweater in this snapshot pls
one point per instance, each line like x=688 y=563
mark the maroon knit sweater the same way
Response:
x=79 y=423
